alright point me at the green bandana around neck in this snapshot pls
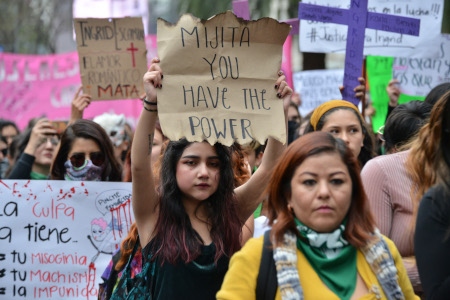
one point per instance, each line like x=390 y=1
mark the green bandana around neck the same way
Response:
x=38 y=176
x=331 y=256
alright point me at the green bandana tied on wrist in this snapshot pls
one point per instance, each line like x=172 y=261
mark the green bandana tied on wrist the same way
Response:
x=331 y=256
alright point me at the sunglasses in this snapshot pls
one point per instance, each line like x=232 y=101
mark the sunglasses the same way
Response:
x=4 y=151
x=78 y=159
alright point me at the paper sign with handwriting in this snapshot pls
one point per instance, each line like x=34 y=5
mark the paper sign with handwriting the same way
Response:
x=357 y=18
x=57 y=237
x=419 y=75
x=317 y=87
x=322 y=36
x=112 y=57
x=379 y=73
x=219 y=77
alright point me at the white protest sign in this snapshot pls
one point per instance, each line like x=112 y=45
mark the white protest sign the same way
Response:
x=417 y=76
x=329 y=37
x=57 y=237
x=316 y=87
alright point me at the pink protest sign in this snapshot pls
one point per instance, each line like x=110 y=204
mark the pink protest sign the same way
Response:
x=37 y=85
x=358 y=19
x=44 y=85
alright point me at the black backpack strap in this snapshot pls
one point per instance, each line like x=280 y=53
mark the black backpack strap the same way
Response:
x=267 y=282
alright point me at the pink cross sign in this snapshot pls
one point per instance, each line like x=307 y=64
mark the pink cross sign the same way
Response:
x=358 y=18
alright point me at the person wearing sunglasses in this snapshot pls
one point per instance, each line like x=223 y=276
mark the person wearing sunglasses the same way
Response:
x=37 y=149
x=86 y=153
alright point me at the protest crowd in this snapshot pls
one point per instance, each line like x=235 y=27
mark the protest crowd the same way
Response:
x=336 y=210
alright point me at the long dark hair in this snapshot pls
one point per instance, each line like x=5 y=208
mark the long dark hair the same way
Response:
x=174 y=236
x=86 y=129
x=360 y=222
x=404 y=123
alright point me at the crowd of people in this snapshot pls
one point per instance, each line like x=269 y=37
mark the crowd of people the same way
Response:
x=338 y=211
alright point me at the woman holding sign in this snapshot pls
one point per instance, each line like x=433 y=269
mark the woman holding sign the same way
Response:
x=191 y=224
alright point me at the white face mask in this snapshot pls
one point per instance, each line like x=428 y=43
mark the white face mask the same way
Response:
x=87 y=172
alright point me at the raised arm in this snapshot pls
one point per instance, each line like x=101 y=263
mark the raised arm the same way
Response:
x=393 y=91
x=360 y=90
x=79 y=104
x=251 y=193
x=145 y=197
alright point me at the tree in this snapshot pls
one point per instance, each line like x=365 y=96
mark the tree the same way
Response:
x=203 y=9
x=32 y=26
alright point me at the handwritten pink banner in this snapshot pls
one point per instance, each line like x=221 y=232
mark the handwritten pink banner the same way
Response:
x=44 y=85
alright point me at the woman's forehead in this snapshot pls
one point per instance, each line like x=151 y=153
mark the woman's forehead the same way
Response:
x=200 y=149
x=342 y=116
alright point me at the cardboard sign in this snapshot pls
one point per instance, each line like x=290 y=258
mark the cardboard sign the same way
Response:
x=112 y=57
x=242 y=10
x=417 y=76
x=57 y=237
x=219 y=78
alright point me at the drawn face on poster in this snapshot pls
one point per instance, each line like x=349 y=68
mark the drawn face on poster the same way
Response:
x=59 y=235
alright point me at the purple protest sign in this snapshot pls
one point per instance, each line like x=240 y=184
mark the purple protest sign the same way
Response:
x=295 y=26
x=357 y=18
x=241 y=9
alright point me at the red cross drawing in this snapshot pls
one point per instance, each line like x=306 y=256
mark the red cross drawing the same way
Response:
x=132 y=49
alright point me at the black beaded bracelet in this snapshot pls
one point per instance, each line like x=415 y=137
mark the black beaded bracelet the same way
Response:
x=149 y=102
x=150 y=110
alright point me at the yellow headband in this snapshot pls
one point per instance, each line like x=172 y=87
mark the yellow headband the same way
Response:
x=323 y=108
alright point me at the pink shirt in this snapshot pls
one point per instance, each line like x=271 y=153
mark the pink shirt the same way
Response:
x=388 y=186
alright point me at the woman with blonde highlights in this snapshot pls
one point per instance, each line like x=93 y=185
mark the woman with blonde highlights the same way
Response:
x=432 y=238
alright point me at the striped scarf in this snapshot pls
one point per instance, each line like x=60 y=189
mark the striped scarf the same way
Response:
x=376 y=252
